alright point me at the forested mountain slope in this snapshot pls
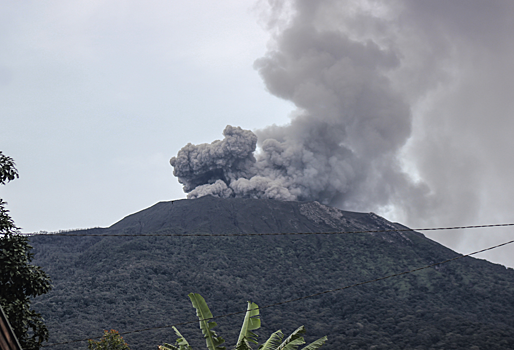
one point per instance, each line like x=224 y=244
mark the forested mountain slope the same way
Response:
x=130 y=283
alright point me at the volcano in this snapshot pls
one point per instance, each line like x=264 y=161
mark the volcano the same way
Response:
x=142 y=280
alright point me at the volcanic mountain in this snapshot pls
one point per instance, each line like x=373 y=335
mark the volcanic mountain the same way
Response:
x=138 y=273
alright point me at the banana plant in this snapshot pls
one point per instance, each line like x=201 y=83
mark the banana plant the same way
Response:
x=251 y=323
x=212 y=340
x=273 y=341
x=292 y=342
x=181 y=343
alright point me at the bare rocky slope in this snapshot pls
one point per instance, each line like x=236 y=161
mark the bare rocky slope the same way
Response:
x=131 y=283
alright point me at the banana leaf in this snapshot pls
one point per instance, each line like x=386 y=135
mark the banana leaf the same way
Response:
x=294 y=340
x=251 y=322
x=294 y=344
x=167 y=347
x=243 y=346
x=212 y=340
x=316 y=344
x=181 y=341
x=273 y=341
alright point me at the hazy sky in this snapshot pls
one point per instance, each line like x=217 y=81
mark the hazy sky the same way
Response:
x=97 y=96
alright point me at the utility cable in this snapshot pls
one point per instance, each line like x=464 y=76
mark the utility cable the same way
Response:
x=262 y=234
x=304 y=297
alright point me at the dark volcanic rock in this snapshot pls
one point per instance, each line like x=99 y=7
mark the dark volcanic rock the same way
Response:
x=130 y=283
x=241 y=215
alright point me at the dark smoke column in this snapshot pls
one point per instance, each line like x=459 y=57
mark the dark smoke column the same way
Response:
x=228 y=168
x=208 y=169
x=341 y=148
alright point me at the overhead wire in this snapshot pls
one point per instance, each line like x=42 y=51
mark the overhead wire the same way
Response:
x=261 y=234
x=301 y=298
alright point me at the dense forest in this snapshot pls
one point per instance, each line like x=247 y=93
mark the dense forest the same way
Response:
x=130 y=283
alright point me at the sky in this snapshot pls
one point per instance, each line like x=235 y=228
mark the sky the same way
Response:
x=97 y=96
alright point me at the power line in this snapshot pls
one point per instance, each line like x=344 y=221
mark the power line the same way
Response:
x=262 y=234
x=305 y=297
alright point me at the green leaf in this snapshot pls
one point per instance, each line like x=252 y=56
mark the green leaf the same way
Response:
x=181 y=341
x=251 y=322
x=316 y=344
x=167 y=347
x=294 y=340
x=243 y=345
x=20 y=281
x=212 y=340
x=8 y=171
x=273 y=341
x=294 y=344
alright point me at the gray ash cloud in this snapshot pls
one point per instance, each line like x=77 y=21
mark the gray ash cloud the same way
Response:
x=340 y=146
x=208 y=168
x=383 y=92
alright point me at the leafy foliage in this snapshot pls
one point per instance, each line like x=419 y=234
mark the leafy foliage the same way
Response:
x=293 y=341
x=7 y=225
x=212 y=340
x=251 y=322
x=273 y=341
x=19 y=280
x=8 y=171
x=181 y=343
x=316 y=344
x=111 y=340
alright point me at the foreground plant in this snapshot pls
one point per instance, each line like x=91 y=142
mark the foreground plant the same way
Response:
x=20 y=281
x=111 y=340
x=251 y=323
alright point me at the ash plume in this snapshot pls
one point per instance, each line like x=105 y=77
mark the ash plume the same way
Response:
x=381 y=89
x=207 y=168
x=342 y=143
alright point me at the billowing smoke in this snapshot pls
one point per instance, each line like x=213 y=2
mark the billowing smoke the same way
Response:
x=208 y=169
x=398 y=108
x=342 y=143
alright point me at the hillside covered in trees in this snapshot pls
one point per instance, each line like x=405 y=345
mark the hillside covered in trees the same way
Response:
x=134 y=282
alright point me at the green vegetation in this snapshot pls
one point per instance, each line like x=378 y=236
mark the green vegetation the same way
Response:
x=111 y=340
x=20 y=281
x=130 y=283
x=251 y=323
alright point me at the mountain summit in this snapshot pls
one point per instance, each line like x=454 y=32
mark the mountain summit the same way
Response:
x=242 y=215
x=135 y=282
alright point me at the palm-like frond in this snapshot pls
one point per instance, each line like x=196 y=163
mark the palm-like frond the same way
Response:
x=212 y=340
x=294 y=344
x=273 y=341
x=243 y=345
x=181 y=341
x=180 y=344
x=294 y=340
x=316 y=344
x=251 y=322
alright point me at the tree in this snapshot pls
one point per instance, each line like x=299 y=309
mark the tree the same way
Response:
x=19 y=280
x=111 y=340
x=251 y=322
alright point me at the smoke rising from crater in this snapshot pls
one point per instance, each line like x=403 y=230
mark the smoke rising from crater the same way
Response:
x=342 y=143
x=383 y=92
